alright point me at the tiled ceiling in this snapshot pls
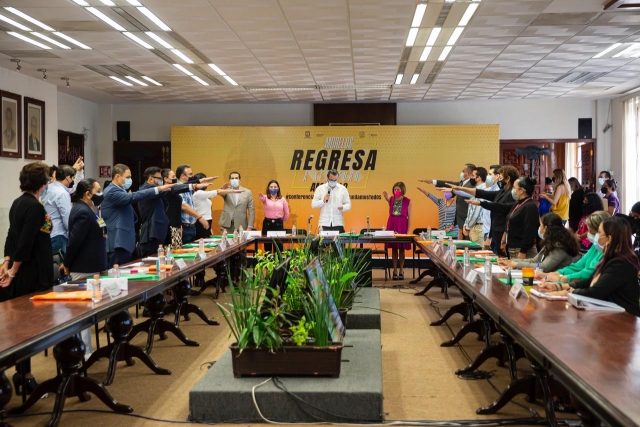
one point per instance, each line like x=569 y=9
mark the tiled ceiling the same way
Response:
x=328 y=50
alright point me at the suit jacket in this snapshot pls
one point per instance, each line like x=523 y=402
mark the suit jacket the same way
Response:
x=153 y=216
x=87 y=248
x=461 y=206
x=238 y=213
x=34 y=144
x=120 y=217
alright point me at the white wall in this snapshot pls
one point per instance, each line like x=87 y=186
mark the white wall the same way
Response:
x=10 y=168
x=80 y=116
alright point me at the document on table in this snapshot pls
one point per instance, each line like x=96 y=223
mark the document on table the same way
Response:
x=494 y=270
x=547 y=295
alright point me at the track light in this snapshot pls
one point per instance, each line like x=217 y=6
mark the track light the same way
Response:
x=18 y=66
x=67 y=79
x=44 y=73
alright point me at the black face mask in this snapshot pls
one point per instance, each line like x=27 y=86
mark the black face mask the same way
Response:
x=603 y=190
x=193 y=180
x=97 y=199
x=501 y=184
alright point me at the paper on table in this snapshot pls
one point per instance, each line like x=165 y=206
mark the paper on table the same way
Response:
x=494 y=269
x=150 y=258
x=548 y=296
x=132 y=265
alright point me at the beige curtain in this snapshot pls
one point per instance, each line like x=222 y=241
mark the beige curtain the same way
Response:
x=630 y=193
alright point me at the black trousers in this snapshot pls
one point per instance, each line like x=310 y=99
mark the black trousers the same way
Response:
x=496 y=240
x=150 y=248
x=120 y=256
x=201 y=233
x=272 y=225
x=338 y=228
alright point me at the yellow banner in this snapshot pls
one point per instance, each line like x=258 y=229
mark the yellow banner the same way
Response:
x=370 y=160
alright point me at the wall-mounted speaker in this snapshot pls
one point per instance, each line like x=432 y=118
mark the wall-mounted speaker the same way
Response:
x=585 y=127
x=123 y=131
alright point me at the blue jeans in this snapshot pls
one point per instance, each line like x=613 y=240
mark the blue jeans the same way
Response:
x=188 y=235
x=59 y=243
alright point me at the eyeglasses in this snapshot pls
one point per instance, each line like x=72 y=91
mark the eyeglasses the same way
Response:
x=156 y=177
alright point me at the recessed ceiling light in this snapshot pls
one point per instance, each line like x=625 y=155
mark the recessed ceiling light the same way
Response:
x=119 y=80
x=217 y=69
x=28 y=40
x=399 y=79
x=28 y=18
x=184 y=70
x=105 y=18
x=433 y=36
x=154 y=18
x=134 y=3
x=411 y=38
x=159 y=40
x=136 y=81
x=449 y=1
x=607 y=50
x=81 y=2
x=184 y=57
x=230 y=80
x=138 y=40
x=445 y=53
x=50 y=40
x=108 y=2
x=425 y=53
x=417 y=17
x=149 y=79
x=455 y=36
x=414 y=79
x=71 y=40
x=14 y=23
x=471 y=9
x=199 y=80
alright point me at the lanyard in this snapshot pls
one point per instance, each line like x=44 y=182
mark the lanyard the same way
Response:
x=514 y=211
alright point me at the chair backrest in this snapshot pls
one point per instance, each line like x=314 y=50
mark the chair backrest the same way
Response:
x=58 y=259
x=299 y=231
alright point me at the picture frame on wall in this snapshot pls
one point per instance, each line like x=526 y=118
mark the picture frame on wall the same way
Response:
x=34 y=129
x=11 y=125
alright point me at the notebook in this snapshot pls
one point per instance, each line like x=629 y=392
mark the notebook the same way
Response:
x=585 y=303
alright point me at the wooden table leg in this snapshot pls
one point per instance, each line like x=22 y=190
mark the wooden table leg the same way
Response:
x=119 y=326
x=70 y=383
x=182 y=307
x=5 y=397
x=456 y=309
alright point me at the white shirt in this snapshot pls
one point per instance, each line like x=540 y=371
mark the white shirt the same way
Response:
x=57 y=203
x=330 y=215
x=202 y=202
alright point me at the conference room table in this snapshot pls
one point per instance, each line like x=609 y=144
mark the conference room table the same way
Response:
x=595 y=355
x=29 y=327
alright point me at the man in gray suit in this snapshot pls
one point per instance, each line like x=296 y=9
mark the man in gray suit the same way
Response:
x=237 y=206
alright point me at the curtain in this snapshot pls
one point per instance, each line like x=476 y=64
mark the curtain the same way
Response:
x=630 y=149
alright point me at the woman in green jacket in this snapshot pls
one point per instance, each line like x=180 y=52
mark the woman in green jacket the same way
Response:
x=586 y=266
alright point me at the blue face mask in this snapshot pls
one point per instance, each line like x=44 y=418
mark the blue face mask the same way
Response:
x=44 y=193
x=591 y=237
x=127 y=183
x=489 y=180
x=597 y=244
x=333 y=183
x=273 y=191
x=461 y=176
x=540 y=235
x=234 y=182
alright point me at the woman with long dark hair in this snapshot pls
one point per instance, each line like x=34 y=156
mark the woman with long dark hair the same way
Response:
x=592 y=203
x=575 y=204
x=559 y=247
x=276 y=211
x=616 y=275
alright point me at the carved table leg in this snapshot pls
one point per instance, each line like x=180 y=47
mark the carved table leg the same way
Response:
x=70 y=383
x=456 y=309
x=119 y=326
x=5 y=397
x=182 y=306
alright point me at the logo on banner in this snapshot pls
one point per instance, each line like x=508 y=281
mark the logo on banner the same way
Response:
x=307 y=134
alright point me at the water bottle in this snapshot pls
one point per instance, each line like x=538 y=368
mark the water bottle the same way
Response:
x=319 y=230
x=201 y=245
x=96 y=293
x=161 y=259
x=116 y=271
x=294 y=231
x=487 y=271
x=467 y=257
x=235 y=235
x=428 y=233
x=509 y=282
x=452 y=250
x=224 y=242
x=241 y=233
x=167 y=256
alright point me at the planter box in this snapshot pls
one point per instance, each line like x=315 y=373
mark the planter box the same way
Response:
x=304 y=361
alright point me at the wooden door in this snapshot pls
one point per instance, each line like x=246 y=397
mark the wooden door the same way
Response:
x=70 y=147
x=141 y=155
x=541 y=166
x=587 y=159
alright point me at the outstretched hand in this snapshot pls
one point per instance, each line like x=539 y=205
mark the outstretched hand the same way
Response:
x=472 y=202
x=209 y=179
x=260 y=195
x=165 y=187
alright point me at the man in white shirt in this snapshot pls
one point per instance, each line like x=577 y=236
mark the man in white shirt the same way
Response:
x=473 y=225
x=333 y=200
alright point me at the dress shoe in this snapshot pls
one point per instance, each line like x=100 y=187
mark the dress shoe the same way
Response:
x=30 y=384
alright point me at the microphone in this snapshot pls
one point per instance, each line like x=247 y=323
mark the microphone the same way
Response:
x=309 y=220
x=328 y=193
x=368 y=225
x=309 y=226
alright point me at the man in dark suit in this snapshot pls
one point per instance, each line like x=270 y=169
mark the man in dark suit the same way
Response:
x=461 y=206
x=119 y=214
x=154 y=222
x=34 y=142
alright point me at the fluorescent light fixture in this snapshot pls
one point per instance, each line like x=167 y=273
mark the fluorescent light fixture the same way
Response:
x=28 y=18
x=217 y=69
x=105 y=18
x=136 y=81
x=411 y=38
x=150 y=80
x=134 y=3
x=138 y=40
x=417 y=17
x=81 y=2
x=154 y=18
x=184 y=57
x=449 y=1
x=28 y=40
x=425 y=53
x=159 y=40
x=468 y=14
x=50 y=40
x=14 y=23
x=607 y=50
x=119 y=80
x=627 y=52
x=399 y=79
x=108 y=2
x=445 y=53
x=71 y=40
x=230 y=80
x=199 y=80
x=414 y=79
x=455 y=36
x=433 y=36
x=184 y=70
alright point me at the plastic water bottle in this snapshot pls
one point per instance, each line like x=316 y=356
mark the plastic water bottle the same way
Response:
x=428 y=233
x=319 y=229
x=160 y=262
x=487 y=271
x=241 y=233
x=201 y=245
x=467 y=257
x=167 y=256
x=224 y=242
x=294 y=231
x=96 y=293
x=509 y=281
x=116 y=271
x=235 y=235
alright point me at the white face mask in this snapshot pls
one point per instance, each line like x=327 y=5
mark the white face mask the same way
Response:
x=234 y=182
x=601 y=181
x=461 y=176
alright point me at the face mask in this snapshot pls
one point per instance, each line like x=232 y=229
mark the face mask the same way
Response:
x=603 y=190
x=192 y=180
x=597 y=244
x=273 y=191
x=601 y=181
x=127 y=183
x=97 y=199
x=461 y=176
x=333 y=183
x=397 y=193
x=44 y=193
x=161 y=182
x=71 y=184
x=591 y=237
x=540 y=234
x=489 y=180
x=448 y=195
x=501 y=184
x=234 y=182
x=514 y=194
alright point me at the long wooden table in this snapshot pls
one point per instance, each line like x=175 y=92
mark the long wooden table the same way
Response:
x=28 y=327
x=595 y=355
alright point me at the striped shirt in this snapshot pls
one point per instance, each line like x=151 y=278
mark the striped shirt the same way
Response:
x=187 y=199
x=446 y=214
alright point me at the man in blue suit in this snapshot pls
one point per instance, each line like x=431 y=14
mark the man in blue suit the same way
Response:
x=119 y=214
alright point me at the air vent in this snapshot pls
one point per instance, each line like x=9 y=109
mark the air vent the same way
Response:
x=434 y=72
x=579 y=78
x=444 y=12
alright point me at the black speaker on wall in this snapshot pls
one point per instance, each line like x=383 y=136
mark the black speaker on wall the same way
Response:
x=123 y=131
x=585 y=128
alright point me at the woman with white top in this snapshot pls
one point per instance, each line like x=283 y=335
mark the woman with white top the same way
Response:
x=202 y=204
